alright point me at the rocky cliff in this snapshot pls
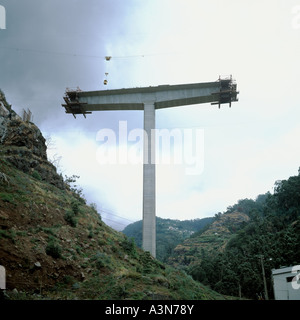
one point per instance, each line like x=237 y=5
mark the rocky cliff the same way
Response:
x=23 y=145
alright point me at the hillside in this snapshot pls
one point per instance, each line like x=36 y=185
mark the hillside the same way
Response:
x=54 y=246
x=227 y=255
x=169 y=233
x=210 y=240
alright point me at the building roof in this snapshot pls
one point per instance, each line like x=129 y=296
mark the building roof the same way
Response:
x=292 y=269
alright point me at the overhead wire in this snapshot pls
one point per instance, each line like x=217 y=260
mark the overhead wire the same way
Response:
x=115 y=215
x=106 y=57
x=112 y=214
x=114 y=221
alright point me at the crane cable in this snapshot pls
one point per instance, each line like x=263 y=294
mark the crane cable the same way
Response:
x=107 y=58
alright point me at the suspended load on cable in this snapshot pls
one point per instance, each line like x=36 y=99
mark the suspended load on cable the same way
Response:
x=105 y=81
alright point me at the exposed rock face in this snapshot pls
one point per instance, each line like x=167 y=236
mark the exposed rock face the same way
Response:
x=23 y=144
x=3 y=110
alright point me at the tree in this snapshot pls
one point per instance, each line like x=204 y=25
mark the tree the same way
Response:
x=76 y=189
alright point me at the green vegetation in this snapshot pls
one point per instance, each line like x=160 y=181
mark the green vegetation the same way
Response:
x=9 y=234
x=273 y=231
x=7 y=197
x=71 y=184
x=102 y=260
x=70 y=218
x=53 y=249
x=169 y=233
x=36 y=175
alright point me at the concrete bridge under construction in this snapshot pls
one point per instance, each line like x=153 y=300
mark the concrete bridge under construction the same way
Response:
x=148 y=99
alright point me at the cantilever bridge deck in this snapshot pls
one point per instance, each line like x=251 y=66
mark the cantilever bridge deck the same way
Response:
x=165 y=96
x=149 y=99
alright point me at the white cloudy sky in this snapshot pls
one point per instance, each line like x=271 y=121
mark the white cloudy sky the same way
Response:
x=50 y=45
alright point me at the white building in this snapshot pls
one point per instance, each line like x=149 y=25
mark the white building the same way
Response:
x=286 y=283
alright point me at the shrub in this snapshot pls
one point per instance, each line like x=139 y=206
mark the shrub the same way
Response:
x=147 y=262
x=102 y=260
x=91 y=234
x=36 y=175
x=68 y=279
x=75 y=207
x=70 y=219
x=129 y=246
x=53 y=249
x=7 y=197
x=9 y=234
x=77 y=191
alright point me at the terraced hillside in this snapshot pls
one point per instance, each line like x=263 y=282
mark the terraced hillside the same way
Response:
x=212 y=239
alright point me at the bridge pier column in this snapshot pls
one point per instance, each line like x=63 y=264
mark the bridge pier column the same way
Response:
x=149 y=217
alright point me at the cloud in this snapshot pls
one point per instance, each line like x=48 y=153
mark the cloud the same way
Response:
x=50 y=45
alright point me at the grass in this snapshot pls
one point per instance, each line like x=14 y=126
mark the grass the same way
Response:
x=7 y=197
x=8 y=234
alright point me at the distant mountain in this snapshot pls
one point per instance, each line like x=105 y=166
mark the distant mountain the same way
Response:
x=169 y=233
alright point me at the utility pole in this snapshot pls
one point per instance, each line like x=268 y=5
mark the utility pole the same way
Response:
x=264 y=276
x=240 y=291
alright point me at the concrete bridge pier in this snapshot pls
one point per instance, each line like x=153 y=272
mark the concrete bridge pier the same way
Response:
x=149 y=217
